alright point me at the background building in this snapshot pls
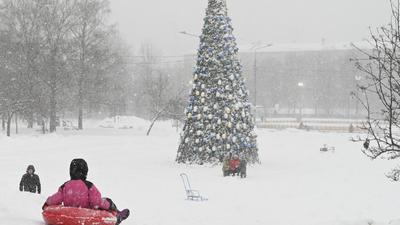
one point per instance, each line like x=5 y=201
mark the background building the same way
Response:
x=313 y=80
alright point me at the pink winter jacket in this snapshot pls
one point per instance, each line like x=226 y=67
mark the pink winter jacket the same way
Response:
x=78 y=193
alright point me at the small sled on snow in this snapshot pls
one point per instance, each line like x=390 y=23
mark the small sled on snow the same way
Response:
x=325 y=148
x=191 y=194
x=56 y=215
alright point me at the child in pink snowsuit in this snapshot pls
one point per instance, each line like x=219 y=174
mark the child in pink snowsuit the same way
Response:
x=80 y=193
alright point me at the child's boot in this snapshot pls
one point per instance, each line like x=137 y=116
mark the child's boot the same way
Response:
x=122 y=215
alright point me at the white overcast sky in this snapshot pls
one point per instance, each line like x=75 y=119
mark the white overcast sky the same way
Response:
x=271 y=21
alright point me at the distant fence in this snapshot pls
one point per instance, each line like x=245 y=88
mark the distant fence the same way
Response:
x=318 y=124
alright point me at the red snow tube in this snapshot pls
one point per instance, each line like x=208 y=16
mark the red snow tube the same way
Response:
x=61 y=215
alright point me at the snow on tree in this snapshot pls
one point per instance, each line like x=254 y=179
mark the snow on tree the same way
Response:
x=218 y=119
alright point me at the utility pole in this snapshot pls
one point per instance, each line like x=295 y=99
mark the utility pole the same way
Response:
x=301 y=102
x=255 y=49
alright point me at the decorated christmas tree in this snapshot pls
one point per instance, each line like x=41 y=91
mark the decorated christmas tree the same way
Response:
x=219 y=122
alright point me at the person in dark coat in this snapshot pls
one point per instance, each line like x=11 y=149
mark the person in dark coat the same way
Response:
x=226 y=167
x=366 y=144
x=30 y=181
x=243 y=168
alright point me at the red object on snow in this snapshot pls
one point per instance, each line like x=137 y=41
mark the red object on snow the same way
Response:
x=61 y=215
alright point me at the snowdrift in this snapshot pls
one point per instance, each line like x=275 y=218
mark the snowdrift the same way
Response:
x=135 y=123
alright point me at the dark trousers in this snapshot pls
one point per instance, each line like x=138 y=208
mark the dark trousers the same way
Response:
x=235 y=172
x=226 y=173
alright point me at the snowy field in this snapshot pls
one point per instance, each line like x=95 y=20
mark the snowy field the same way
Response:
x=296 y=184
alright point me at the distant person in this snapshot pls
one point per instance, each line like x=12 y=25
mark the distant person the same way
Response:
x=351 y=128
x=80 y=193
x=226 y=166
x=30 y=181
x=234 y=165
x=366 y=144
x=243 y=168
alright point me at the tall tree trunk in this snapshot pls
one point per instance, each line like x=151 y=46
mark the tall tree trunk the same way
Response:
x=80 y=105
x=16 y=123
x=80 y=119
x=53 y=94
x=43 y=124
x=53 y=111
x=156 y=117
x=30 y=120
x=82 y=76
x=3 y=122
x=9 y=119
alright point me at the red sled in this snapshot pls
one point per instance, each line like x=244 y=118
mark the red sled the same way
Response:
x=61 y=215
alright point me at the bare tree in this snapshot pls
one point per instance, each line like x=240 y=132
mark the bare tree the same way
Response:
x=21 y=19
x=13 y=97
x=57 y=20
x=111 y=80
x=159 y=87
x=57 y=55
x=12 y=100
x=89 y=31
x=381 y=66
x=162 y=102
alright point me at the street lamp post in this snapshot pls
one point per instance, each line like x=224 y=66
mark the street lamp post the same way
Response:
x=255 y=49
x=301 y=86
x=357 y=78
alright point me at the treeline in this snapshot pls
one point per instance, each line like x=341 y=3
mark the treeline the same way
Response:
x=59 y=56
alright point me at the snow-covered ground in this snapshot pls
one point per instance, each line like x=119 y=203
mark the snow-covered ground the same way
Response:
x=295 y=184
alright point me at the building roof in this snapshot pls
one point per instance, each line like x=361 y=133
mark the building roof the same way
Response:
x=303 y=47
